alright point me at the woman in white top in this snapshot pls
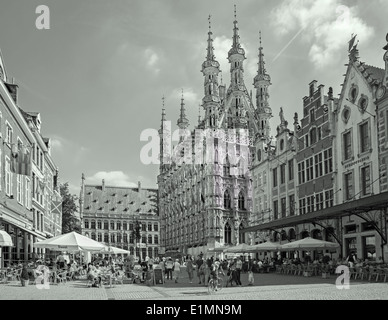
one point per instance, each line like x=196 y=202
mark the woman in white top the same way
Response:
x=177 y=270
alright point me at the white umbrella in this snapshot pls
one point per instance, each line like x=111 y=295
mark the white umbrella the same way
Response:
x=241 y=248
x=70 y=242
x=309 y=244
x=114 y=250
x=265 y=246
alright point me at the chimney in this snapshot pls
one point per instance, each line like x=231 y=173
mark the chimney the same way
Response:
x=139 y=186
x=103 y=185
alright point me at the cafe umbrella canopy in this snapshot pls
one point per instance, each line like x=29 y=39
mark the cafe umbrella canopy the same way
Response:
x=265 y=246
x=240 y=248
x=70 y=242
x=309 y=244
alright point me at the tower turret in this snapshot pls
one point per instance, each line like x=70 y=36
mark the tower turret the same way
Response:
x=183 y=122
x=262 y=81
x=210 y=70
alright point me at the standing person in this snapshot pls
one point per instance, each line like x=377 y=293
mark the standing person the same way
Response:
x=251 y=279
x=61 y=261
x=199 y=263
x=169 y=265
x=177 y=270
x=190 y=268
x=209 y=263
x=201 y=273
x=238 y=271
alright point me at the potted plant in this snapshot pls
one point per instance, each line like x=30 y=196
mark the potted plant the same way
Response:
x=24 y=277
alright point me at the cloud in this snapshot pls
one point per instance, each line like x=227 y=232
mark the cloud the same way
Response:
x=56 y=144
x=112 y=178
x=152 y=59
x=327 y=27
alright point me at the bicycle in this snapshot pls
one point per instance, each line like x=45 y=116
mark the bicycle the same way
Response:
x=215 y=285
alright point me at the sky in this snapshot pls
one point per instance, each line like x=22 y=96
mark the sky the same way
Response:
x=98 y=75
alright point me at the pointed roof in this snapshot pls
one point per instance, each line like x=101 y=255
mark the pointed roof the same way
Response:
x=210 y=57
x=261 y=72
x=183 y=122
x=236 y=46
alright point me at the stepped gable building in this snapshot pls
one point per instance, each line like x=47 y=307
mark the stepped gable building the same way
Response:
x=109 y=214
x=206 y=193
x=359 y=158
x=30 y=202
x=341 y=166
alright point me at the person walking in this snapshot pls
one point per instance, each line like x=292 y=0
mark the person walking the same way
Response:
x=177 y=270
x=199 y=263
x=169 y=266
x=201 y=273
x=190 y=268
x=238 y=271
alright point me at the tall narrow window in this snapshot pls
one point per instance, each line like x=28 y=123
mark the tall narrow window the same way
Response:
x=291 y=170
x=365 y=181
x=282 y=174
x=227 y=234
x=28 y=193
x=318 y=165
x=8 y=177
x=283 y=207
x=275 y=177
x=328 y=160
x=19 y=192
x=364 y=137
x=348 y=186
x=347 y=145
x=309 y=169
x=275 y=209
x=292 y=205
x=301 y=172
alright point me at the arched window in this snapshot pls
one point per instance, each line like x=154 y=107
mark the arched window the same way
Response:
x=226 y=200
x=119 y=238
x=86 y=224
x=93 y=237
x=228 y=234
x=241 y=201
x=156 y=239
x=106 y=237
x=150 y=252
x=241 y=235
x=150 y=239
x=99 y=237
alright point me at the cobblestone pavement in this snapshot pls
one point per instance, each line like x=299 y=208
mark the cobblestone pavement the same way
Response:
x=267 y=287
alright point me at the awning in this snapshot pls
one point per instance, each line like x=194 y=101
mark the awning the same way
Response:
x=5 y=239
x=375 y=202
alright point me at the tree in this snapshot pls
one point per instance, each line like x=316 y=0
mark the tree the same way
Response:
x=69 y=207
